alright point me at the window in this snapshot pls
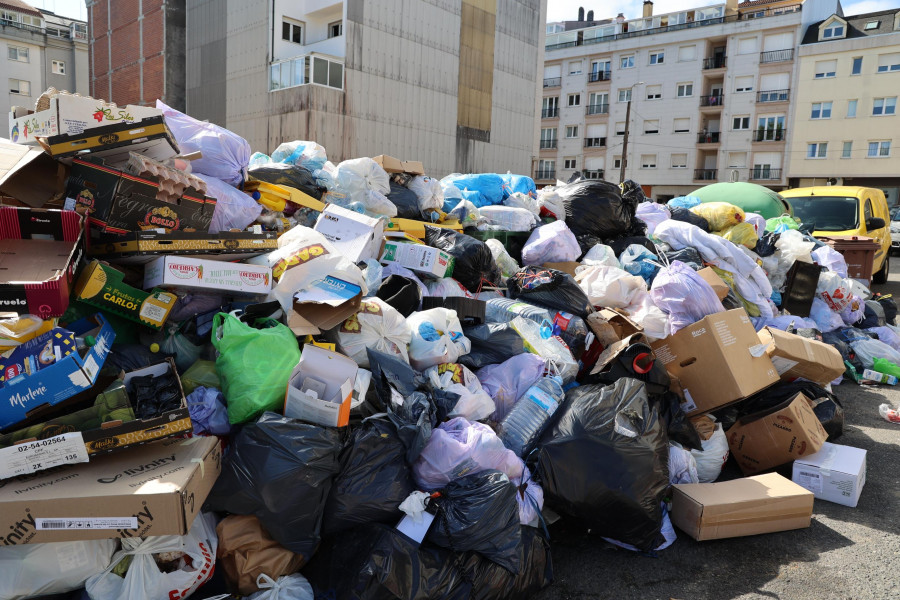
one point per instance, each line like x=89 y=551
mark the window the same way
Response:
x=575 y=67
x=685 y=90
x=744 y=83
x=625 y=95
x=598 y=103
x=871 y=25
x=856 y=69
x=617 y=162
x=569 y=163
x=657 y=57
x=740 y=123
x=600 y=66
x=546 y=169
x=851 y=109
x=747 y=45
x=821 y=110
x=626 y=62
x=59 y=67
x=17 y=86
x=681 y=125
x=737 y=160
x=651 y=126
x=571 y=131
x=770 y=128
x=679 y=161
x=620 y=128
x=686 y=53
x=648 y=161
x=654 y=92
x=825 y=68
x=335 y=29
x=847 y=149
x=889 y=62
x=292 y=31
x=884 y=106
x=817 y=150
x=17 y=53
x=548 y=138
x=574 y=99
x=835 y=30
x=879 y=149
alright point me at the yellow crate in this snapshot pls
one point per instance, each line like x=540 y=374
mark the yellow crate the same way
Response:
x=274 y=197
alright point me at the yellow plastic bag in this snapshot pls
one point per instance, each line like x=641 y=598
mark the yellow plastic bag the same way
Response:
x=728 y=278
x=742 y=233
x=720 y=215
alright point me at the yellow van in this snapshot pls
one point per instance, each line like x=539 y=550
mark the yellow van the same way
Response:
x=847 y=210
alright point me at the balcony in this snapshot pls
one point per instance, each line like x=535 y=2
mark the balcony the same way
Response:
x=705 y=174
x=714 y=101
x=550 y=113
x=540 y=175
x=774 y=56
x=714 y=62
x=548 y=144
x=595 y=142
x=597 y=109
x=773 y=96
x=595 y=174
x=765 y=174
x=596 y=76
x=552 y=82
x=769 y=135
x=709 y=138
x=307 y=69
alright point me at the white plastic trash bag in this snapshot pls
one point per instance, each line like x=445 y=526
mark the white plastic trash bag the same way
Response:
x=530 y=497
x=520 y=200
x=429 y=192
x=377 y=325
x=652 y=214
x=550 y=202
x=826 y=319
x=649 y=316
x=288 y=587
x=360 y=174
x=145 y=580
x=684 y=295
x=33 y=570
x=831 y=259
x=437 y=338
x=600 y=254
x=447 y=287
x=758 y=222
x=508 y=218
x=553 y=242
x=234 y=209
x=712 y=458
x=682 y=465
x=610 y=287
x=834 y=290
x=474 y=403
x=507 y=263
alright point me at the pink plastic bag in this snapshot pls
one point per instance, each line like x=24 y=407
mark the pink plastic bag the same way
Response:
x=507 y=381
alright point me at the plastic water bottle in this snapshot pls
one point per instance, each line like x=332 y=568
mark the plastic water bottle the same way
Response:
x=525 y=423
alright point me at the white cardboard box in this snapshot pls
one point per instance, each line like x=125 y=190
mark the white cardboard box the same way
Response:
x=337 y=372
x=834 y=473
x=357 y=236
x=418 y=258
x=211 y=275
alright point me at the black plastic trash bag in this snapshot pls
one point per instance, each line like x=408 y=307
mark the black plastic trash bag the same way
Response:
x=377 y=562
x=606 y=461
x=596 y=208
x=492 y=344
x=632 y=192
x=827 y=406
x=374 y=479
x=280 y=470
x=678 y=427
x=620 y=245
x=683 y=214
x=474 y=264
x=688 y=256
x=766 y=244
x=293 y=176
x=888 y=304
x=550 y=288
x=406 y=201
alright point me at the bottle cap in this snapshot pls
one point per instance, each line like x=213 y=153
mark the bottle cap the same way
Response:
x=89 y=340
x=154 y=348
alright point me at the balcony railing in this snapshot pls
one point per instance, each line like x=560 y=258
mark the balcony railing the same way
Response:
x=594 y=76
x=548 y=144
x=764 y=174
x=552 y=82
x=714 y=100
x=598 y=109
x=545 y=174
x=776 y=56
x=773 y=96
x=769 y=135
x=714 y=62
x=550 y=113
x=705 y=174
x=594 y=142
x=709 y=138
x=595 y=174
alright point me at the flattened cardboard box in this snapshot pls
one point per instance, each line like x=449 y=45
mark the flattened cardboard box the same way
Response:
x=156 y=489
x=718 y=359
x=748 y=506
x=795 y=356
x=141 y=247
x=776 y=436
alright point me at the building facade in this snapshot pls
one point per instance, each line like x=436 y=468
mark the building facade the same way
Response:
x=40 y=50
x=845 y=109
x=709 y=90
x=451 y=83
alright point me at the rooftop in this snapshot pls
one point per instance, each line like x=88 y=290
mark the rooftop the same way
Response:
x=856 y=26
x=19 y=6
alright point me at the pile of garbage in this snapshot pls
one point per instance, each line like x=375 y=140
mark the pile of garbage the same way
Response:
x=228 y=373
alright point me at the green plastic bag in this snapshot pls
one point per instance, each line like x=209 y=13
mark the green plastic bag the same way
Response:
x=883 y=365
x=776 y=222
x=202 y=372
x=254 y=365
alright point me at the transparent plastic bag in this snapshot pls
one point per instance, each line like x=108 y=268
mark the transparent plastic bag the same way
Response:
x=429 y=192
x=376 y=325
x=551 y=348
x=373 y=275
x=306 y=154
x=258 y=159
x=508 y=218
x=826 y=319
x=474 y=403
x=360 y=174
x=792 y=247
x=520 y=200
x=742 y=233
x=637 y=260
x=447 y=287
x=831 y=259
x=437 y=338
x=652 y=214
x=201 y=373
x=32 y=570
x=288 y=587
x=507 y=381
x=868 y=350
x=854 y=312
x=466 y=213
x=553 y=242
x=507 y=264
x=234 y=209
x=600 y=254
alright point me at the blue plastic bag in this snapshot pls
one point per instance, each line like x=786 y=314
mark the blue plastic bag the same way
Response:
x=518 y=183
x=489 y=186
x=637 y=260
x=686 y=202
x=208 y=412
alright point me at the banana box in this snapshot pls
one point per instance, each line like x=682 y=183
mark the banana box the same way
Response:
x=102 y=286
x=37 y=353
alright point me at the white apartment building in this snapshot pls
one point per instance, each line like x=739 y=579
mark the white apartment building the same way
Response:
x=709 y=89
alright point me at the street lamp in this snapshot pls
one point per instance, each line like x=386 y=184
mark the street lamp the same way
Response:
x=627 y=127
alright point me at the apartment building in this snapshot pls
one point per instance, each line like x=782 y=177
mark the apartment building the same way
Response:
x=40 y=49
x=845 y=109
x=453 y=84
x=709 y=91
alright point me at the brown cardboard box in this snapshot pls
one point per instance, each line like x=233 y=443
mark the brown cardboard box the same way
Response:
x=718 y=359
x=156 y=489
x=749 y=506
x=413 y=167
x=565 y=267
x=795 y=356
x=389 y=163
x=715 y=282
x=770 y=438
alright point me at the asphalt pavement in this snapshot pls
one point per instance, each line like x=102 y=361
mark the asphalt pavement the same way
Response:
x=846 y=554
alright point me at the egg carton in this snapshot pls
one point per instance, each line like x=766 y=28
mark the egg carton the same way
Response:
x=172 y=182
